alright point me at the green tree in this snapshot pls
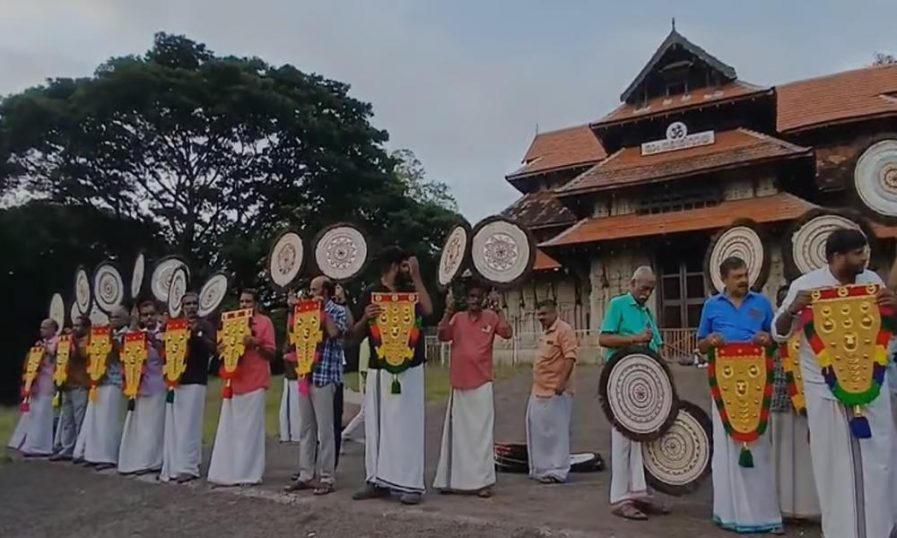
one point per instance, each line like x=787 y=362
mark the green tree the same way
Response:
x=881 y=58
x=201 y=145
x=42 y=244
x=411 y=173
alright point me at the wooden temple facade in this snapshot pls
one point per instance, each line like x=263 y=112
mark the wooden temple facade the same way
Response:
x=690 y=151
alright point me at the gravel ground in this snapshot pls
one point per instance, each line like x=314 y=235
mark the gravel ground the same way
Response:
x=44 y=499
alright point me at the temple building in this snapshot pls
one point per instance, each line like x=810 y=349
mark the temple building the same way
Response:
x=696 y=164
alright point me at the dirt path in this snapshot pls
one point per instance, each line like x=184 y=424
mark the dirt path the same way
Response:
x=44 y=499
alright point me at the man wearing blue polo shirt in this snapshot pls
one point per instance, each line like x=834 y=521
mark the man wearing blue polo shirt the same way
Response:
x=628 y=321
x=744 y=499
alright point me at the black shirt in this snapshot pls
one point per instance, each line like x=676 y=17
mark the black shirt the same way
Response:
x=198 y=355
x=375 y=362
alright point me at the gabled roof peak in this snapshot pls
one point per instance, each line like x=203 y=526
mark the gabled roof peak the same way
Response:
x=673 y=40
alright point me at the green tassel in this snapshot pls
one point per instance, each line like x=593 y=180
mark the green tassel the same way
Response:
x=746 y=459
x=170 y=396
x=396 y=386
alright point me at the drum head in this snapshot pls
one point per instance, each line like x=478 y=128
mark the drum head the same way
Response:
x=804 y=248
x=678 y=461
x=740 y=240
x=137 y=275
x=637 y=394
x=875 y=178
x=455 y=255
x=212 y=294
x=502 y=252
x=286 y=258
x=57 y=311
x=160 y=280
x=82 y=290
x=74 y=313
x=341 y=252
x=108 y=287
x=176 y=291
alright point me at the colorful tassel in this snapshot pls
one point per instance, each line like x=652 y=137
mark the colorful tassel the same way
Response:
x=57 y=399
x=227 y=392
x=745 y=458
x=92 y=394
x=25 y=406
x=304 y=386
x=396 y=386
x=132 y=403
x=859 y=425
x=170 y=396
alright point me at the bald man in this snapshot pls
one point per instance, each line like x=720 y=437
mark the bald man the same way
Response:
x=317 y=443
x=100 y=435
x=33 y=436
x=628 y=321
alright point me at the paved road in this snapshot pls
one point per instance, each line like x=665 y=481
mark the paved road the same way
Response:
x=40 y=499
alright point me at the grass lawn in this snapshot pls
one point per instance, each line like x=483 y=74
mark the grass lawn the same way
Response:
x=437 y=390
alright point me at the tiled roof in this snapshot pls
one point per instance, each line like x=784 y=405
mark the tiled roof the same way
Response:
x=662 y=105
x=730 y=148
x=554 y=150
x=539 y=209
x=775 y=208
x=846 y=96
x=544 y=262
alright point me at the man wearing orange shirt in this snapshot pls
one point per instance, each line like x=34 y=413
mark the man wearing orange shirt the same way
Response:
x=238 y=455
x=466 y=462
x=551 y=401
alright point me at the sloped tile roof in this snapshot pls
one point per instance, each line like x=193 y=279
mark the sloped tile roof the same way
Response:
x=564 y=148
x=539 y=209
x=730 y=148
x=774 y=208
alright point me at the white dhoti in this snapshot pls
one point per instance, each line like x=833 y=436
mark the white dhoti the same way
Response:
x=182 y=447
x=142 y=437
x=627 y=480
x=793 y=467
x=238 y=455
x=466 y=459
x=548 y=436
x=854 y=477
x=744 y=498
x=394 y=431
x=33 y=435
x=100 y=435
x=289 y=412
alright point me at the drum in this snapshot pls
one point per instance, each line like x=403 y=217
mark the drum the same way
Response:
x=678 y=461
x=637 y=394
x=502 y=252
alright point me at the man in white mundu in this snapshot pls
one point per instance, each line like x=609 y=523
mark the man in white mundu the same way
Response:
x=289 y=424
x=854 y=477
x=142 y=438
x=238 y=455
x=33 y=435
x=466 y=460
x=182 y=446
x=100 y=436
x=394 y=404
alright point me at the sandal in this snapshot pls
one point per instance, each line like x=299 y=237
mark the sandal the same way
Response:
x=629 y=511
x=654 y=508
x=549 y=480
x=485 y=493
x=323 y=488
x=296 y=486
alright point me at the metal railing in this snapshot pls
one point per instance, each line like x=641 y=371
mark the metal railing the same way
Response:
x=521 y=348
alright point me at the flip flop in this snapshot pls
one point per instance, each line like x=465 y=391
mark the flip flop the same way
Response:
x=629 y=511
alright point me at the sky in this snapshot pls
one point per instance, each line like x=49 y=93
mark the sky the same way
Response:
x=464 y=84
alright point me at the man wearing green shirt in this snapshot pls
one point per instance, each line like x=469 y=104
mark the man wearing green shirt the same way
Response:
x=628 y=321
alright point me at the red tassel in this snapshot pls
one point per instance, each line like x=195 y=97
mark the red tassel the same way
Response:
x=227 y=392
x=25 y=406
x=303 y=386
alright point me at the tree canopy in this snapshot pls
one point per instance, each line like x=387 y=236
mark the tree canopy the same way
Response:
x=180 y=150
x=217 y=152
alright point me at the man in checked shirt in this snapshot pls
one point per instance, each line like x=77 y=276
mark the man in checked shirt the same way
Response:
x=316 y=434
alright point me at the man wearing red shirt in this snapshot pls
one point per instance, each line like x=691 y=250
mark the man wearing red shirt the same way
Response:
x=465 y=460
x=238 y=455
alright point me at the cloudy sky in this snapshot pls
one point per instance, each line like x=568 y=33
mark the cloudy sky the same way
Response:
x=464 y=84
